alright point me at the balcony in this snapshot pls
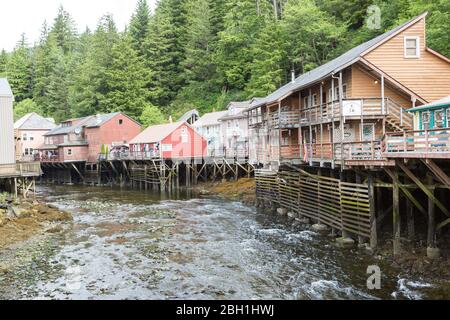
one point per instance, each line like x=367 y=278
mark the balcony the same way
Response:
x=285 y=119
x=422 y=144
x=290 y=152
x=30 y=169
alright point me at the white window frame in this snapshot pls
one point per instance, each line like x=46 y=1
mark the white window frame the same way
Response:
x=442 y=121
x=428 y=122
x=448 y=117
x=69 y=152
x=417 y=39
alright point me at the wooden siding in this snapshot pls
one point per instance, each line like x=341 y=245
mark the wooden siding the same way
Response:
x=363 y=86
x=7 y=152
x=428 y=76
x=194 y=146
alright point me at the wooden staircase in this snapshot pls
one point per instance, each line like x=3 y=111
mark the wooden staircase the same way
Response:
x=397 y=117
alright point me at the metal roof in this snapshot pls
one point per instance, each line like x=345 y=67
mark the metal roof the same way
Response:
x=157 y=133
x=33 y=121
x=331 y=67
x=444 y=102
x=5 y=89
x=210 y=119
x=88 y=122
x=189 y=114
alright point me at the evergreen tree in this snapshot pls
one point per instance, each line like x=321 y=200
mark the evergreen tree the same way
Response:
x=139 y=25
x=19 y=71
x=164 y=51
x=242 y=24
x=24 y=107
x=58 y=89
x=125 y=80
x=64 y=31
x=151 y=115
x=3 y=63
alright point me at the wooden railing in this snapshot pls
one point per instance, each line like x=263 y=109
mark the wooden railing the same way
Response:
x=398 y=114
x=318 y=151
x=284 y=119
x=135 y=155
x=368 y=150
x=29 y=169
x=48 y=159
x=290 y=152
x=418 y=144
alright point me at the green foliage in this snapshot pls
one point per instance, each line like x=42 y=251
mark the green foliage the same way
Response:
x=139 y=25
x=151 y=115
x=195 y=53
x=19 y=70
x=3 y=63
x=24 y=107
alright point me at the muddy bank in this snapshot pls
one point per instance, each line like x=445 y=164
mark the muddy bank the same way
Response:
x=22 y=219
x=243 y=190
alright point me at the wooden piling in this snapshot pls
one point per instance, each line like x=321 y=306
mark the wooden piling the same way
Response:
x=396 y=214
x=373 y=217
x=431 y=234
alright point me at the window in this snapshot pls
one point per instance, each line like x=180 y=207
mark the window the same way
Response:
x=439 y=118
x=207 y=130
x=448 y=117
x=24 y=137
x=426 y=120
x=315 y=102
x=368 y=132
x=229 y=124
x=69 y=152
x=336 y=92
x=120 y=122
x=236 y=123
x=305 y=102
x=412 y=48
x=31 y=138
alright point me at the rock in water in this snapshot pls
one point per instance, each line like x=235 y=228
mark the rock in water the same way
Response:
x=345 y=242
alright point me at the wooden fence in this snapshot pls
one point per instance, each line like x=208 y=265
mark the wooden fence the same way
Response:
x=341 y=205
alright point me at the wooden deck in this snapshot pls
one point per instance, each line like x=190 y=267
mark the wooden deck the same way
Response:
x=17 y=170
x=423 y=144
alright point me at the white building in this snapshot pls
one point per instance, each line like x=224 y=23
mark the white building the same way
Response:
x=234 y=129
x=210 y=128
x=7 y=154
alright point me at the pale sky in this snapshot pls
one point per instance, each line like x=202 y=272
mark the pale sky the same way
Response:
x=27 y=16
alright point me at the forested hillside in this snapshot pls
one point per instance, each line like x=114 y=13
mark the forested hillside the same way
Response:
x=194 y=53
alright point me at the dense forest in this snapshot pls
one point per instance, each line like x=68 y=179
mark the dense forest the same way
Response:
x=195 y=53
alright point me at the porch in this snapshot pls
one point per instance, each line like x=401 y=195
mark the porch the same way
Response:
x=421 y=144
x=15 y=170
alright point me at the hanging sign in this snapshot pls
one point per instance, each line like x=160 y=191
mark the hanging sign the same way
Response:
x=352 y=108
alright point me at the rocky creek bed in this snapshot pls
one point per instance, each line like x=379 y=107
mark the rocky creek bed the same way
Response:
x=126 y=244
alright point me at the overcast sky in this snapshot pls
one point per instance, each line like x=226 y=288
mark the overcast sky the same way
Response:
x=27 y=16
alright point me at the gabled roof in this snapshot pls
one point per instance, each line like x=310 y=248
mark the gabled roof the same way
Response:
x=157 y=133
x=33 y=121
x=444 y=102
x=334 y=65
x=189 y=114
x=88 y=122
x=5 y=89
x=210 y=119
x=65 y=130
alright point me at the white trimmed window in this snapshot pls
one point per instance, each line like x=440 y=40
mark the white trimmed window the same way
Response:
x=448 y=117
x=439 y=118
x=426 y=120
x=412 y=47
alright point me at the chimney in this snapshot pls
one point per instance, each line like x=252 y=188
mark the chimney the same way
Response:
x=293 y=75
x=170 y=119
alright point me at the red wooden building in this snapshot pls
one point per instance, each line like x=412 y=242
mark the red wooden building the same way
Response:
x=82 y=139
x=169 y=141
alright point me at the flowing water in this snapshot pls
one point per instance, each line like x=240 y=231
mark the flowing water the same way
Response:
x=127 y=244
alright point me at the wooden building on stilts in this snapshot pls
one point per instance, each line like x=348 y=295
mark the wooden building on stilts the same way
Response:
x=350 y=145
